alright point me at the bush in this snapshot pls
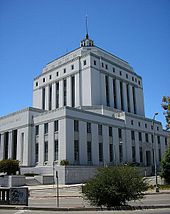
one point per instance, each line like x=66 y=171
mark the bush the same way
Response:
x=114 y=186
x=9 y=166
x=64 y=162
x=165 y=166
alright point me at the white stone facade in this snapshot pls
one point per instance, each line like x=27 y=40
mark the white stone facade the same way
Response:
x=88 y=108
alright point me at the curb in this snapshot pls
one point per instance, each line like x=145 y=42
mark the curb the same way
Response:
x=83 y=208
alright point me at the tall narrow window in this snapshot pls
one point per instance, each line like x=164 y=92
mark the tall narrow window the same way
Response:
x=128 y=98
x=107 y=91
x=120 y=133
x=6 y=138
x=132 y=135
x=159 y=154
x=121 y=95
x=76 y=150
x=65 y=92
x=134 y=99
x=158 y=138
x=73 y=91
x=57 y=94
x=133 y=154
x=110 y=131
x=111 y=152
x=37 y=130
x=120 y=153
x=56 y=150
x=43 y=98
x=89 y=151
x=14 y=134
x=56 y=126
x=100 y=129
x=36 y=151
x=50 y=97
x=146 y=137
x=45 y=151
x=141 y=155
x=140 y=136
x=88 y=127
x=76 y=125
x=100 y=152
x=114 y=93
x=46 y=128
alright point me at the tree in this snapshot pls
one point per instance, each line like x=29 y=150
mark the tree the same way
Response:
x=166 y=107
x=165 y=166
x=9 y=166
x=114 y=186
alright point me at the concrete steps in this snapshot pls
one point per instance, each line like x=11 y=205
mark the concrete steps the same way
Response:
x=31 y=181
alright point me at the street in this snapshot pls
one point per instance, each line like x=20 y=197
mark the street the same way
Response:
x=157 y=211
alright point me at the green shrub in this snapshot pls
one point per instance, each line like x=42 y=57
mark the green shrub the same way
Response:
x=165 y=166
x=64 y=162
x=9 y=166
x=114 y=186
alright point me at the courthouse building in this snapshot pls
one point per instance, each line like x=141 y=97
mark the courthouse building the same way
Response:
x=88 y=108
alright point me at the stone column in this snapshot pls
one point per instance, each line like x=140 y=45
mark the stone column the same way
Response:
x=50 y=143
x=103 y=90
x=10 y=145
x=61 y=97
x=118 y=101
x=137 y=151
x=54 y=96
x=131 y=99
x=77 y=90
x=124 y=97
x=111 y=95
x=106 y=160
x=95 y=144
x=47 y=97
x=82 y=142
x=2 y=146
x=69 y=91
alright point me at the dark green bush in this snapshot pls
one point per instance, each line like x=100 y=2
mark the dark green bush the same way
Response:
x=64 y=162
x=114 y=186
x=165 y=166
x=9 y=166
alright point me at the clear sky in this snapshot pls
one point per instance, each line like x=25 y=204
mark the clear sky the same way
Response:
x=34 y=32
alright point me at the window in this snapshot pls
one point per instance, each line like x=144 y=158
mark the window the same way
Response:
x=84 y=62
x=43 y=98
x=56 y=150
x=46 y=128
x=50 y=77
x=134 y=99
x=111 y=152
x=132 y=78
x=57 y=94
x=89 y=151
x=88 y=127
x=120 y=73
x=50 y=97
x=132 y=122
x=135 y=80
x=45 y=151
x=73 y=91
x=56 y=125
x=113 y=69
x=76 y=150
x=141 y=154
x=121 y=96
x=158 y=138
x=120 y=153
x=76 y=125
x=106 y=66
x=110 y=131
x=100 y=152
x=36 y=152
x=114 y=93
x=102 y=64
x=140 y=136
x=94 y=62
x=152 y=138
x=120 y=133
x=146 y=137
x=72 y=67
x=132 y=135
x=146 y=125
x=65 y=92
x=157 y=128
x=100 y=129
x=139 y=82
x=128 y=97
x=166 y=141
x=64 y=70
x=159 y=154
x=36 y=84
x=37 y=130
x=57 y=74
x=152 y=127
x=133 y=154
x=107 y=91
x=139 y=124
x=127 y=76
x=43 y=79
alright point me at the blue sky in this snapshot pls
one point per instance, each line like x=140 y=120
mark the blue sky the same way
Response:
x=34 y=32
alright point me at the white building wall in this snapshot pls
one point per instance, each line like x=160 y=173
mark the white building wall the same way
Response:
x=83 y=142
x=69 y=140
x=95 y=144
x=62 y=140
x=51 y=143
x=106 y=155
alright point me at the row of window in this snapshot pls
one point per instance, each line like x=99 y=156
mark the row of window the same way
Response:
x=46 y=128
x=146 y=125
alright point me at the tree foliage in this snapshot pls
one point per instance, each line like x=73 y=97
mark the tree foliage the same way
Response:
x=114 y=186
x=9 y=166
x=166 y=107
x=165 y=166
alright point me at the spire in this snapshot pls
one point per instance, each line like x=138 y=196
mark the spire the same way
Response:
x=87 y=42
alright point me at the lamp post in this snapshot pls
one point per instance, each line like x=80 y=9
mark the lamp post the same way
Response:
x=155 y=159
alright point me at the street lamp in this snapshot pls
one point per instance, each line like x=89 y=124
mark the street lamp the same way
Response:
x=155 y=159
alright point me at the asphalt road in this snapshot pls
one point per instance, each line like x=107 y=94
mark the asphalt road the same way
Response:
x=157 y=211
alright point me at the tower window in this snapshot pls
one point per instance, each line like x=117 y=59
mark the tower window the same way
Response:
x=57 y=74
x=94 y=62
x=106 y=66
x=43 y=79
x=126 y=76
x=36 y=84
x=84 y=62
x=64 y=70
x=50 y=77
x=113 y=70
x=72 y=67
x=102 y=64
x=120 y=73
